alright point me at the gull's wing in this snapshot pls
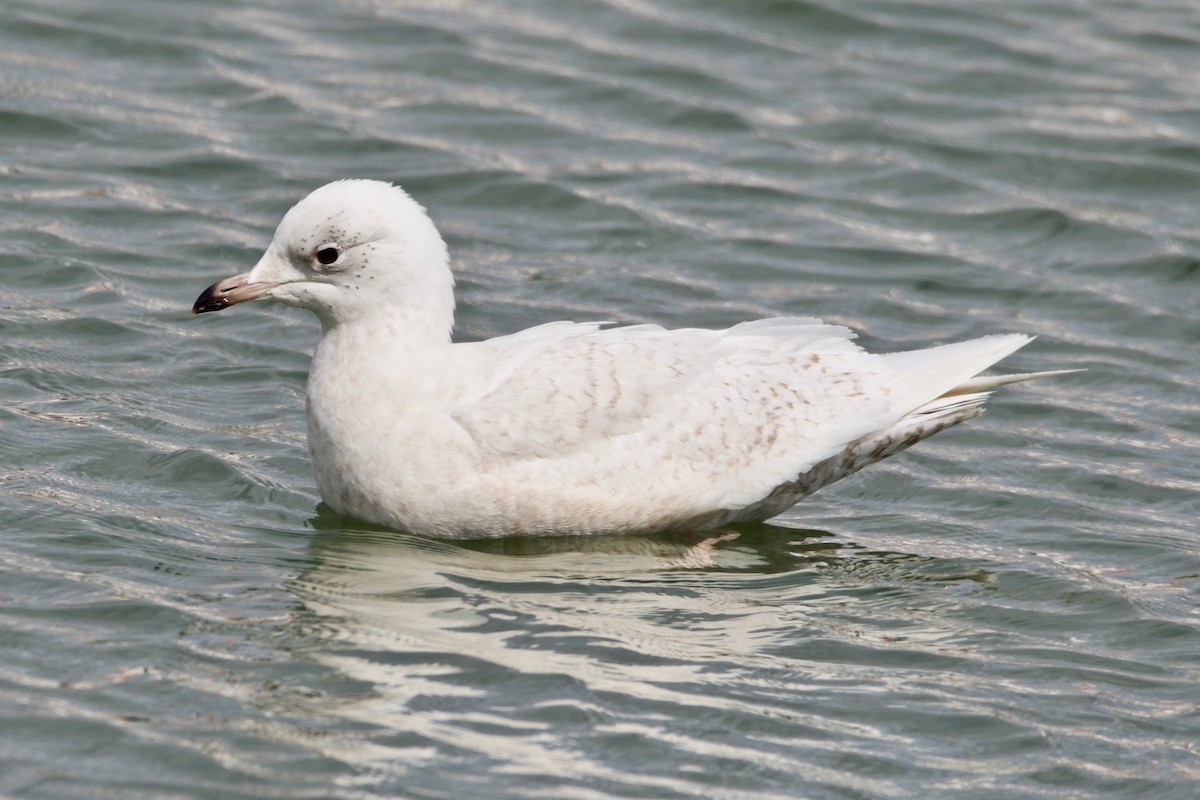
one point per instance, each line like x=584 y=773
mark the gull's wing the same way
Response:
x=770 y=397
x=698 y=423
x=562 y=388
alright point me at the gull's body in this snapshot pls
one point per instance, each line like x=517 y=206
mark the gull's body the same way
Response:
x=569 y=428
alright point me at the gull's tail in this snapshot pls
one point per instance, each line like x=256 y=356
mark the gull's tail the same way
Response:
x=949 y=374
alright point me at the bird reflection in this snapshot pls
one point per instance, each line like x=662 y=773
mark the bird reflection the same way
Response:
x=751 y=547
x=525 y=624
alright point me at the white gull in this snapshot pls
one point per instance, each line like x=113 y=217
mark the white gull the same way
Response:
x=568 y=428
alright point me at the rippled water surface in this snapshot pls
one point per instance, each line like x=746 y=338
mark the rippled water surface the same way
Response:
x=1007 y=611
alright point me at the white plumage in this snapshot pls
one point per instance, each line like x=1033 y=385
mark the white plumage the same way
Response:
x=570 y=428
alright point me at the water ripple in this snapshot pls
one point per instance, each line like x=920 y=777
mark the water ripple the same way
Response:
x=1007 y=610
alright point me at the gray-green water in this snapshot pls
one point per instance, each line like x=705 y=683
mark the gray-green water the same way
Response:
x=1007 y=611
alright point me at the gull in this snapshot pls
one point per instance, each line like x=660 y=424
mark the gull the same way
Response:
x=573 y=428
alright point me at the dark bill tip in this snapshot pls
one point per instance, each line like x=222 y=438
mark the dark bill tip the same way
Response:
x=228 y=292
x=211 y=299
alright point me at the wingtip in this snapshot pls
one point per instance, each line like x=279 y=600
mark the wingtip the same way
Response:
x=986 y=383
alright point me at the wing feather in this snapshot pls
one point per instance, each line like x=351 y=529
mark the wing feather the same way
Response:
x=761 y=400
x=572 y=388
x=694 y=426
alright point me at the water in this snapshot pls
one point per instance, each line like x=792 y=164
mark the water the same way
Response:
x=1006 y=611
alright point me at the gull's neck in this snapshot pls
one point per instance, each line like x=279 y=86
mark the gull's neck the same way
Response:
x=392 y=342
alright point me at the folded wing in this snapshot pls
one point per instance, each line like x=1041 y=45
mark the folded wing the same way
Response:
x=710 y=420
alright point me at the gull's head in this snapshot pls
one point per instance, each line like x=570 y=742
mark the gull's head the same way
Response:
x=350 y=249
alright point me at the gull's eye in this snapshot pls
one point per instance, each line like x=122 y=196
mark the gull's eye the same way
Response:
x=328 y=254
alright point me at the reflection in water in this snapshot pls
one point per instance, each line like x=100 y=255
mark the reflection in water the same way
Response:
x=761 y=547
x=603 y=661
x=527 y=650
x=417 y=618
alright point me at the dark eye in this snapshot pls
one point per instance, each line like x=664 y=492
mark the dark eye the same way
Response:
x=328 y=254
